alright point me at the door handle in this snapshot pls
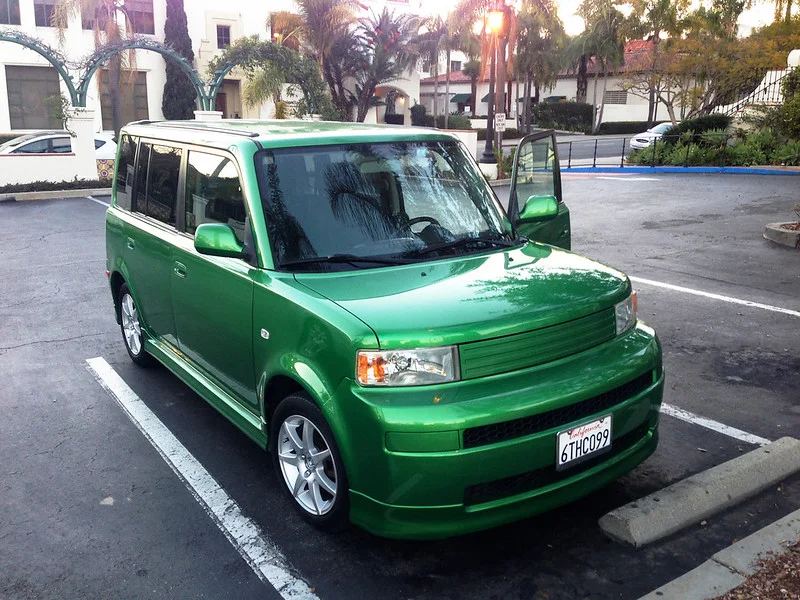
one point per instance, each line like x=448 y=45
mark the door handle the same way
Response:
x=180 y=269
x=131 y=244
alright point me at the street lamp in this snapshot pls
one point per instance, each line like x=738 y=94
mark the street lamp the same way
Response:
x=492 y=25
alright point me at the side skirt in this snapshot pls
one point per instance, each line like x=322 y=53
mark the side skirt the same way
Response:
x=249 y=423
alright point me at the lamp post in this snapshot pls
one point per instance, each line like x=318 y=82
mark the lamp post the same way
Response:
x=493 y=24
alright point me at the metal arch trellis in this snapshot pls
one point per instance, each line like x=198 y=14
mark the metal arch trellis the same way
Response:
x=206 y=91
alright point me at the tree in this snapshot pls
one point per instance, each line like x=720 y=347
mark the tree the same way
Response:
x=539 y=40
x=110 y=23
x=431 y=45
x=601 y=40
x=286 y=29
x=179 y=93
x=324 y=23
x=472 y=69
x=649 y=20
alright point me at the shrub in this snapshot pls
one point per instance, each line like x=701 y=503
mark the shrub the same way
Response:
x=746 y=154
x=622 y=127
x=571 y=116
x=454 y=122
x=48 y=186
x=509 y=134
x=505 y=161
x=698 y=126
x=787 y=154
x=418 y=114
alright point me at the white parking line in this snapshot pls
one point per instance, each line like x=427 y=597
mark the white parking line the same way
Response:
x=260 y=552
x=685 y=290
x=106 y=204
x=684 y=415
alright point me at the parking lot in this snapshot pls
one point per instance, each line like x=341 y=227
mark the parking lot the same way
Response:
x=89 y=509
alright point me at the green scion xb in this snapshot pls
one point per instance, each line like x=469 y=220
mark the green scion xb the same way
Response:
x=354 y=298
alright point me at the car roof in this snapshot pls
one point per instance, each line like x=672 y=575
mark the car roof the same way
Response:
x=279 y=133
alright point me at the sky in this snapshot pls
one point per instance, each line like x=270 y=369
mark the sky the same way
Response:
x=761 y=14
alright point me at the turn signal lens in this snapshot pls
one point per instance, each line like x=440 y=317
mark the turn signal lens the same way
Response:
x=420 y=366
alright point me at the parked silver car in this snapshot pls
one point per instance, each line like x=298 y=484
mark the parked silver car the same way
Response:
x=649 y=137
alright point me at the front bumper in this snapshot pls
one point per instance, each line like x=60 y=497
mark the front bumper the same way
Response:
x=413 y=476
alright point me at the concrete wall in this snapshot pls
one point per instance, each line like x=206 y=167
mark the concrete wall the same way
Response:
x=25 y=168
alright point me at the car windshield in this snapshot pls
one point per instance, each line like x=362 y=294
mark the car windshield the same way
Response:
x=335 y=207
x=662 y=128
x=19 y=140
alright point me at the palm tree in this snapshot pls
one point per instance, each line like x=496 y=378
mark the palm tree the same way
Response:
x=324 y=22
x=602 y=41
x=286 y=29
x=540 y=36
x=105 y=16
x=431 y=44
x=473 y=70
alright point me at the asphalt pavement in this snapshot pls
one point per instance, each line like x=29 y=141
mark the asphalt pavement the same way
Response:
x=88 y=508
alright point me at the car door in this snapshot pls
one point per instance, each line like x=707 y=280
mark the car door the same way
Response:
x=150 y=233
x=212 y=297
x=537 y=173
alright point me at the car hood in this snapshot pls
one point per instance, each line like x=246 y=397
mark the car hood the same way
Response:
x=471 y=298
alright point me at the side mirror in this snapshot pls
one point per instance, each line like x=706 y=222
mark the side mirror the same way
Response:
x=538 y=209
x=217 y=239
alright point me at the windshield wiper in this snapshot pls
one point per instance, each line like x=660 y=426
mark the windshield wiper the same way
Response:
x=466 y=242
x=347 y=259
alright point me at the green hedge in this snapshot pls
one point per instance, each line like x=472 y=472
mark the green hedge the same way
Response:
x=700 y=125
x=622 y=127
x=50 y=186
x=714 y=148
x=571 y=116
x=510 y=133
x=459 y=122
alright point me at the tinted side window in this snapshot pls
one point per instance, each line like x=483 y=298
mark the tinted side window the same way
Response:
x=37 y=147
x=124 y=181
x=157 y=182
x=213 y=193
x=62 y=145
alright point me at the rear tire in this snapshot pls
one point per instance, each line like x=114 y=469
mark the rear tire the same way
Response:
x=131 y=327
x=309 y=464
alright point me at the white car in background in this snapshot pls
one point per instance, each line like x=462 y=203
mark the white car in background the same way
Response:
x=58 y=142
x=649 y=137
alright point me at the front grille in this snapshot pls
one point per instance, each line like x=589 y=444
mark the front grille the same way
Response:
x=508 y=430
x=518 y=484
x=523 y=350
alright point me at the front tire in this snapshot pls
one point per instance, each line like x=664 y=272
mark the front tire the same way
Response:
x=131 y=327
x=309 y=464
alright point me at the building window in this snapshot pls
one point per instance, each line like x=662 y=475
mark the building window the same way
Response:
x=89 y=19
x=43 y=11
x=455 y=65
x=29 y=92
x=133 y=92
x=140 y=13
x=9 y=12
x=615 y=97
x=223 y=36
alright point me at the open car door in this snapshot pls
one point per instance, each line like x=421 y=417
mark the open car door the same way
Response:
x=537 y=173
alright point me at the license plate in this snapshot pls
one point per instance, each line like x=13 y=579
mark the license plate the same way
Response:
x=582 y=442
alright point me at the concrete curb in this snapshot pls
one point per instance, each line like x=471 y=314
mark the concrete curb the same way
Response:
x=53 y=194
x=691 y=500
x=725 y=170
x=727 y=568
x=786 y=237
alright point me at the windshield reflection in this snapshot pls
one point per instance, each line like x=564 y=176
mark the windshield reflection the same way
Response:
x=326 y=206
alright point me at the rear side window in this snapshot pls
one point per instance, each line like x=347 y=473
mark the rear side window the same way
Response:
x=99 y=144
x=124 y=181
x=62 y=145
x=157 y=182
x=213 y=193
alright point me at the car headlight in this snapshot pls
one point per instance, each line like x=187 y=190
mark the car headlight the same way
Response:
x=626 y=313
x=420 y=366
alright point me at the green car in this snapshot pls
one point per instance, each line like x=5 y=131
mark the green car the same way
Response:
x=356 y=300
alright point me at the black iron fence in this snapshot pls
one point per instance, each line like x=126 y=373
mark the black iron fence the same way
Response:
x=705 y=149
